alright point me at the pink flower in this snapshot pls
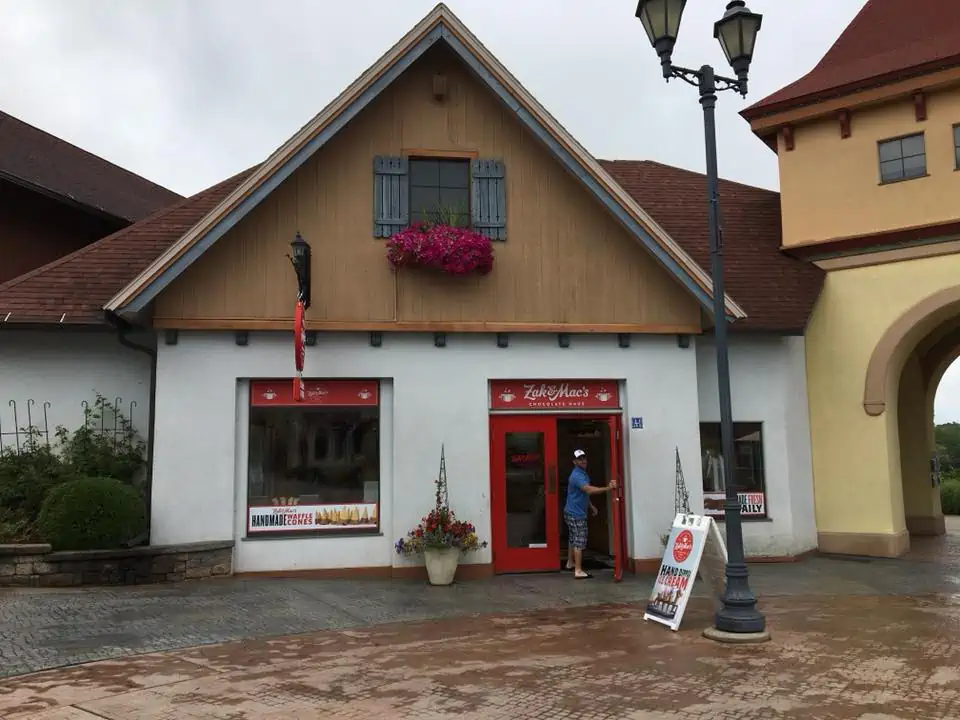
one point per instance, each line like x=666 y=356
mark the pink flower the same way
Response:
x=453 y=250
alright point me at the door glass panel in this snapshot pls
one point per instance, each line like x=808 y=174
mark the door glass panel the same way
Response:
x=525 y=490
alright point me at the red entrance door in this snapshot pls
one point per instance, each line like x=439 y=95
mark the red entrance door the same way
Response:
x=619 y=505
x=523 y=493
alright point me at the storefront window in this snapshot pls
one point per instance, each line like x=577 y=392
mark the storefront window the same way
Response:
x=748 y=470
x=314 y=466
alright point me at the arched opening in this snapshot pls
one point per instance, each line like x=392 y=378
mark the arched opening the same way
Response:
x=904 y=373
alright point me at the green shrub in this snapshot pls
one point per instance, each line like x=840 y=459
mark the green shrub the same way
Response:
x=950 y=497
x=26 y=478
x=92 y=514
x=106 y=445
x=15 y=527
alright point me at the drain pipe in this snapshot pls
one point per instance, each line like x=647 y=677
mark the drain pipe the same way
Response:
x=124 y=329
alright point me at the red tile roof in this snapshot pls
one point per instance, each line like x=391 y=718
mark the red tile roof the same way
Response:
x=74 y=289
x=777 y=291
x=886 y=41
x=37 y=159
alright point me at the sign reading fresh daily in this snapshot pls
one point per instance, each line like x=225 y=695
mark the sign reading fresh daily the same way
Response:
x=752 y=504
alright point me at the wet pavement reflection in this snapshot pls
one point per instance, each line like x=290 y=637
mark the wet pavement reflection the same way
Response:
x=869 y=657
x=852 y=638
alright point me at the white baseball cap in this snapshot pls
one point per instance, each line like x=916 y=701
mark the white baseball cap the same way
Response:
x=579 y=454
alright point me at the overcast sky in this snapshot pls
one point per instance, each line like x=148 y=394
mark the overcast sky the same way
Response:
x=188 y=92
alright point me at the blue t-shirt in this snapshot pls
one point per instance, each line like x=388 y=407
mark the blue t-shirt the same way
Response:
x=577 y=499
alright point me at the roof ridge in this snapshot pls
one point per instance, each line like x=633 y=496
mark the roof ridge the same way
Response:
x=13 y=282
x=7 y=116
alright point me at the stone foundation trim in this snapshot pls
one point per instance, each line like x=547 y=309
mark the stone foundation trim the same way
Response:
x=888 y=545
x=926 y=525
x=37 y=566
x=465 y=571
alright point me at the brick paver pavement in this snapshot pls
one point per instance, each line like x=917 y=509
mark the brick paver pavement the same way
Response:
x=853 y=638
x=867 y=657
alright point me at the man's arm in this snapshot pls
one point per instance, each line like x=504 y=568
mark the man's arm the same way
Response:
x=594 y=490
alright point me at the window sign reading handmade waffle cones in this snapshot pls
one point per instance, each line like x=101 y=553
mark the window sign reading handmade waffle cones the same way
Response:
x=310 y=518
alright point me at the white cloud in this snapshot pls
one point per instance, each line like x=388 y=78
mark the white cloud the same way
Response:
x=187 y=92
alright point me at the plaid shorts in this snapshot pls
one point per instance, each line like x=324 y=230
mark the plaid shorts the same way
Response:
x=576 y=532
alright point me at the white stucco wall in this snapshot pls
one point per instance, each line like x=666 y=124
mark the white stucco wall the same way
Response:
x=768 y=385
x=429 y=396
x=432 y=396
x=65 y=367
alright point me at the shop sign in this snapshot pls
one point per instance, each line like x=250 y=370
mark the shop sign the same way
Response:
x=752 y=504
x=307 y=518
x=689 y=537
x=554 y=395
x=342 y=393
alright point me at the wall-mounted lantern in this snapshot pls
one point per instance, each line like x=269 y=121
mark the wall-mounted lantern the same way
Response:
x=301 y=265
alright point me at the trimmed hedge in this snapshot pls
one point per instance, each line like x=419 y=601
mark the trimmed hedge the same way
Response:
x=92 y=514
x=950 y=497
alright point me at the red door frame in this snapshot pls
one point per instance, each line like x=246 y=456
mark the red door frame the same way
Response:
x=523 y=559
x=507 y=559
x=614 y=422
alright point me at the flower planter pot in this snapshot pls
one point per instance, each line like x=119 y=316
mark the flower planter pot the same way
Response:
x=441 y=564
x=455 y=251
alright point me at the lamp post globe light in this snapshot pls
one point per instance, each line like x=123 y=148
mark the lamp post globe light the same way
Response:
x=738 y=619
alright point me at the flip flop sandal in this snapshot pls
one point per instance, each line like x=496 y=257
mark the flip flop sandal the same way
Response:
x=585 y=576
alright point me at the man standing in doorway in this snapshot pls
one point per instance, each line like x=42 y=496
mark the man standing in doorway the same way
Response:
x=579 y=491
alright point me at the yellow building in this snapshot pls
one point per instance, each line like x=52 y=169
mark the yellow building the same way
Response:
x=868 y=145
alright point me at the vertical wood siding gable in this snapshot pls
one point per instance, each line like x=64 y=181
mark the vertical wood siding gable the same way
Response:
x=488 y=180
x=391 y=204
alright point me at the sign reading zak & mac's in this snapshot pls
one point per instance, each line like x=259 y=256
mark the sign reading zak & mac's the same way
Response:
x=554 y=395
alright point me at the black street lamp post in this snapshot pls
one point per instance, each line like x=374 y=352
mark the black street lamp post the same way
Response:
x=737 y=33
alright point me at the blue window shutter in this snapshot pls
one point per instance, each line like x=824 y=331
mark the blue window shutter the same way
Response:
x=391 y=206
x=489 y=206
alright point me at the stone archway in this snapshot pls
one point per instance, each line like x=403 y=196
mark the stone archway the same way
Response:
x=913 y=367
x=896 y=342
x=876 y=347
x=910 y=360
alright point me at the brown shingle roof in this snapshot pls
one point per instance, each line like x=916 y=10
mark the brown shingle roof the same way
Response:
x=77 y=286
x=886 y=41
x=35 y=158
x=777 y=291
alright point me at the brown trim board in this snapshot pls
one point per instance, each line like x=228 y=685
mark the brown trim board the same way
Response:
x=875 y=89
x=928 y=234
x=451 y=327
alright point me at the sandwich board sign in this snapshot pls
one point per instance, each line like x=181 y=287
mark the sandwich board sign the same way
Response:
x=689 y=539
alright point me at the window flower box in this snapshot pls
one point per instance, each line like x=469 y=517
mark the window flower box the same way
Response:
x=452 y=250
